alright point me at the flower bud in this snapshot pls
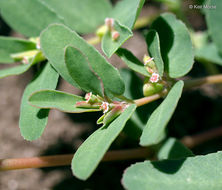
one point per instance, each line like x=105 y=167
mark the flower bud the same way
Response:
x=101 y=31
x=109 y=22
x=115 y=35
x=113 y=114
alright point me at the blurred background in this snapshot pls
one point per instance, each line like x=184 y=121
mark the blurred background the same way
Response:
x=198 y=110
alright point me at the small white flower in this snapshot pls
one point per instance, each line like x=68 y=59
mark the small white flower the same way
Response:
x=105 y=107
x=25 y=60
x=154 y=78
x=88 y=96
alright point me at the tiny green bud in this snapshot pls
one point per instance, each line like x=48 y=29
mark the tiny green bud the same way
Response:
x=152 y=88
x=101 y=31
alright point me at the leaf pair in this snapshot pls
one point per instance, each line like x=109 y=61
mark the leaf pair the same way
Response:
x=125 y=14
x=169 y=44
x=74 y=63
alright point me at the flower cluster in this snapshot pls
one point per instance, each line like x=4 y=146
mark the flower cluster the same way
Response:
x=111 y=110
x=153 y=84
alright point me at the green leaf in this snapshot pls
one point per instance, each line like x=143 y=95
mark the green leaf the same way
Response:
x=173 y=149
x=110 y=46
x=9 y=45
x=127 y=11
x=78 y=68
x=193 y=173
x=175 y=43
x=33 y=120
x=83 y=16
x=153 y=43
x=53 y=42
x=213 y=18
x=53 y=99
x=209 y=53
x=132 y=62
x=95 y=146
x=161 y=116
x=16 y=70
x=28 y=17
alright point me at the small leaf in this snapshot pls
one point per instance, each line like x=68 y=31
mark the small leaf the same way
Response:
x=16 y=70
x=54 y=40
x=33 y=120
x=78 y=68
x=110 y=46
x=83 y=16
x=161 y=116
x=132 y=62
x=28 y=17
x=89 y=154
x=173 y=149
x=9 y=45
x=209 y=53
x=193 y=173
x=175 y=43
x=127 y=11
x=61 y=101
x=153 y=43
x=213 y=18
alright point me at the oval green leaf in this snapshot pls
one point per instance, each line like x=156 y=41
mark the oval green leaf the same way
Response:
x=209 y=54
x=53 y=99
x=175 y=43
x=83 y=16
x=193 y=173
x=10 y=45
x=127 y=11
x=28 y=17
x=132 y=62
x=110 y=46
x=89 y=154
x=53 y=42
x=213 y=18
x=173 y=149
x=33 y=120
x=160 y=117
x=78 y=68
x=153 y=46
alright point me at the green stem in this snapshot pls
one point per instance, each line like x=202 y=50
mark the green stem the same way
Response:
x=190 y=83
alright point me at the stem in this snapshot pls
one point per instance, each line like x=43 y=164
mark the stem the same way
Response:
x=63 y=160
x=146 y=100
x=215 y=79
x=115 y=155
x=192 y=141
